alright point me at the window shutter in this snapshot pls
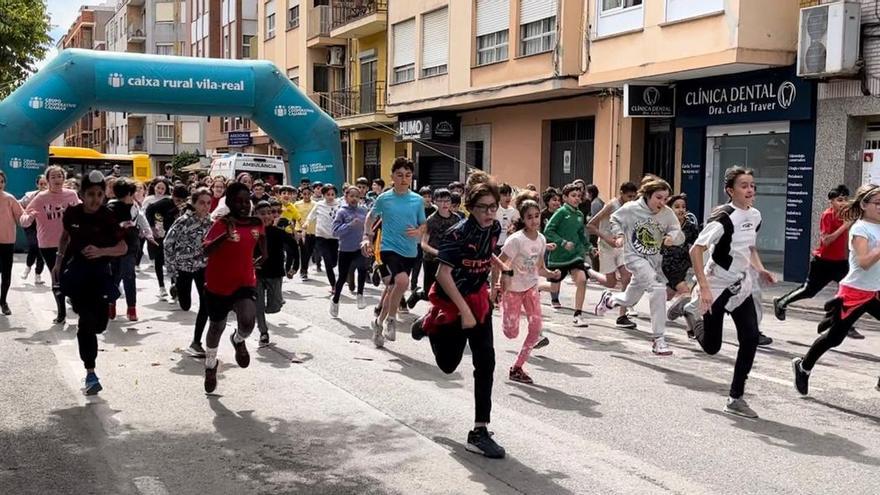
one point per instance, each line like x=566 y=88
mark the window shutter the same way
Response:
x=404 y=43
x=270 y=7
x=535 y=10
x=435 y=38
x=292 y=3
x=492 y=16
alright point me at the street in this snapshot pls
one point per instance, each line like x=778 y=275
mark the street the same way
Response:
x=322 y=411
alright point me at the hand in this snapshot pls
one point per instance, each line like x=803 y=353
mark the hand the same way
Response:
x=91 y=252
x=555 y=275
x=551 y=246
x=153 y=242
x=767 y=277
x=467 y=320
x=258 y=262
x=568 y=245
x=706 y=300
x=667 y=241
x=56 y=273
x=618 y=242
x=366 y=248
x=127 y=224
x=413 y=232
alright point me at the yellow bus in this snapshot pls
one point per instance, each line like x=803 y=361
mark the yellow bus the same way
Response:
x=79 y=161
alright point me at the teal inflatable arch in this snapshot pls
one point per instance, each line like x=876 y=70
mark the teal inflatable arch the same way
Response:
x=78 y=81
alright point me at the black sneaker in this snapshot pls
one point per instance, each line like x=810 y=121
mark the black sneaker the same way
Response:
x=416 y=330
x=480 y=441
x=517 y=374
x=413 y=299
x=4 y=308
x=242 y=358
x=854 y=334
x=801 y=377
x=544 y=342
x=173 y=291
x=764 y=340
x=778 y=309
x=196 y=350
x=211 y=378
x=376 y=279
x=624 y=322
x=264 y=339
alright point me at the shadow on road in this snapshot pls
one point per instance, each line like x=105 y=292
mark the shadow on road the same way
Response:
x=423 y=372
x=682 y=379
x=541 y=395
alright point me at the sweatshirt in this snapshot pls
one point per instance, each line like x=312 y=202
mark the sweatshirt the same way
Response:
x=567 y=225
x=304 y=210
x=47 y=209
x=323 y=214
x=643 y=231
x=10 y=215
x=349 y=234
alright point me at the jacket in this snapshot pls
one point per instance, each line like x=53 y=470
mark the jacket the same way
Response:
x=183 y=244
x=567 y=225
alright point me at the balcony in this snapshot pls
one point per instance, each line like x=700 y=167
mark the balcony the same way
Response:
x=319 y=27
x=355 y=106
x=359 y=18
x=136 y=144
x=135 y=34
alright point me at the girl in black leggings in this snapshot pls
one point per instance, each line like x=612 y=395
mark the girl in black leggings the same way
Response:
x=858 y=292
x=10 y=215
x=348 y=226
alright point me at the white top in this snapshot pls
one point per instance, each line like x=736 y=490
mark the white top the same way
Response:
x=323 y=214
x=506 y=217
x=524 y=254
x=858 y=277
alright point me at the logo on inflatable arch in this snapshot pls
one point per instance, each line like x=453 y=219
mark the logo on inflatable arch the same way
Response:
x=35 y=102
x=27 y=163
x=304 y=168
x=292 y=111
x=115 y=80
x=15 y=163
x=54 y=104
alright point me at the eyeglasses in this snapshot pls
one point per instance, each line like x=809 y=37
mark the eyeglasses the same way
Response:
x=483 y=207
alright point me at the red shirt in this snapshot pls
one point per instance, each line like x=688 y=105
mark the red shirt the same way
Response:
x=231 y=265
x=837 y=250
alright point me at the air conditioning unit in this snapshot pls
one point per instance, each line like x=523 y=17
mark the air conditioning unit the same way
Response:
x=828 y=41
x=336 y=56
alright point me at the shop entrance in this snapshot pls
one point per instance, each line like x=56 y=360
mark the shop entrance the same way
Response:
x=762 y=147
x=571 y=151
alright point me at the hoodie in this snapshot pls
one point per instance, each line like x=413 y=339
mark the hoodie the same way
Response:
x=323 y=214
x=567 y=225
x=643 y=231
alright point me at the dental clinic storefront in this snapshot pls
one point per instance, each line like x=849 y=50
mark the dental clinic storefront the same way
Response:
x=763 y=120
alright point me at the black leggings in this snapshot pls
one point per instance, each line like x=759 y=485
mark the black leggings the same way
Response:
x=33 y=254
x=307 y=246
x=821 y=273
x=246 y=315
x=158 y=255
x=448 y=344
x=49 y=255
x=837 y=327
x=429 y=276
x=745 y=318
x=184 y=298
x=92 y=311
x=6 y=251
x=349 y=262
x=291 y=254
x=417 y=268
x=328 y=250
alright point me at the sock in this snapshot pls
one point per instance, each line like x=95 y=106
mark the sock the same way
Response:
x=480 y=425
x=577 y=313
x=731 y=400
x=237 y=338
x=210 y=357
x=801 y=368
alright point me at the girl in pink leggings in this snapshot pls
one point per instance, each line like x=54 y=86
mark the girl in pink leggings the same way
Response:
x=524 y=253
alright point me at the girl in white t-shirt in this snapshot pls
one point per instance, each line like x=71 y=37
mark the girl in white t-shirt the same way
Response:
x=859 y=292
x=524 y=253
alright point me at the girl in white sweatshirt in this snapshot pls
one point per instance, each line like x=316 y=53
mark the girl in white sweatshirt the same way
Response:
x=326 y=242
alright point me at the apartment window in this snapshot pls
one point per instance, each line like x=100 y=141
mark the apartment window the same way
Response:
x=227 y=50
x=164 y=48
x=248 y=50
x=224 y=124
x=435 y=42
x=684 y=9
x=293 y=75
x=619 y=4
x=190 y=132
x=537 y=19
x=292 y=14
x=620 y=16
x=493 y=30
x=404 y=57
x=164 y=133
x=270 y=19
x=164 y=12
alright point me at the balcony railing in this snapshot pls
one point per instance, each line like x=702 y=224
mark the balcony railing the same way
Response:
x=136 y=144
x=136 y=33
x=364 y=99
x=346 y=11
x=320 y=21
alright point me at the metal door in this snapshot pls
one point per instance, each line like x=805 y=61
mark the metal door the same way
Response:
x=571 y=150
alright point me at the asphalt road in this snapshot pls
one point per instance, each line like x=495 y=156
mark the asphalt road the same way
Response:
x=322 y=411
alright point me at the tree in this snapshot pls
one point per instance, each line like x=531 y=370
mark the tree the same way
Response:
x=24 y=40
x=182 y=159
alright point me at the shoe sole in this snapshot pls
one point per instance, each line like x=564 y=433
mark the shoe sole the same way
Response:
x=581 y=324
x=628 y=327
x=734 y=412
x=476 y=450
x=857 y=336
x=390 y=337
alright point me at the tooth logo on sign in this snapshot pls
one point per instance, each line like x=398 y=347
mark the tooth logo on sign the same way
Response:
x=36 y=103
x=15 y=162
x=115 y=80
x=280 y=111
x=786 y=94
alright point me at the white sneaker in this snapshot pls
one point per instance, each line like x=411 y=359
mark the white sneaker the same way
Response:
x=334 y=309
x=361 y=302
x=27 y=272
x=580 y=321
x=162 y=293
x=38 y=279
x=378 y=339
x=660 y=347
x=602 y=306
x=391 y=329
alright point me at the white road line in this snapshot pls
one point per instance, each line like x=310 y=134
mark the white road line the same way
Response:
x=150 y=485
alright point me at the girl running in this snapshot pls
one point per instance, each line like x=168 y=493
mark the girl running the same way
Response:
x=859 y=291
x=642 y=227
x=677 y=260
x=325 y=241
x=33 y=254
x=725 y=284
x=10 y=217
x=348 y=226
x=230 y=278
x=186 y=261
x=524 y=252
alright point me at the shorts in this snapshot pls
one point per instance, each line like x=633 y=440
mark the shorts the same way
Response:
x=610 y=259
x=394 y=263
x=566 y=269
x=219 y=306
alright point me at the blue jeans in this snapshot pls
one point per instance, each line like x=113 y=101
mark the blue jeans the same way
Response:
x=123 y=270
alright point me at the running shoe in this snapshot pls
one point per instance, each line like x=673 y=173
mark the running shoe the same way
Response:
x=518 y=375
x=304 y=276
x=778 y=309
x=4 y=308
x=173 y=291
x=264 y=339
x=696 y=326
x=480 y=441
x=580 y=321
x=334 y=309
x=361 y=302
x=739 y=407
x=854 y=334
x=390 y=329
x=376 y=278
x=556 y=304
x=132 y=313
x=290 y=275
x=602 y=306
x=624 y=322
x=93 y=386
x=676 y=311
x=660 y=347
x=211 y=378
x=413 y=299
x=59 y=320
x=242 y=358
x=378 y=339
x=801 y=376
x=27 y=272
x=162 y=293
x=544 y=342
x=196 y=350
x=416 y=330
x=764 y=340
x=38 y=279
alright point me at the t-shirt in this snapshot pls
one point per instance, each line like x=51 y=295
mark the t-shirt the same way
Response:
x=436 y=226
x=858 y=277
x=605 y=226
x=505 y=217
x=733 y=232
x=304 y=210
x=48 y=208
x=99 y=229
x=273 y=267
x=828 y=224
x=230 y=265
x=524 y=254
x=161 y=215
x=399 y=212
x=468 y=248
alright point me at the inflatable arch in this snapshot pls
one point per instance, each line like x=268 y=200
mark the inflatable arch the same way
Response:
x=78 y=81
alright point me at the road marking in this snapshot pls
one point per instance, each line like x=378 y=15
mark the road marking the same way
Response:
x=779 y=381
x=150 y=485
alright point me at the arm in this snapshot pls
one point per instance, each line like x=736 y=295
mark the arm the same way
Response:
x=551 y=231
x=219 y=232
x=593 y=224
x=63 y=243
x=444 y=278
x=426 y=244
x=826 y=239
x=674 y=235
x=865 y=257
x=755 y=258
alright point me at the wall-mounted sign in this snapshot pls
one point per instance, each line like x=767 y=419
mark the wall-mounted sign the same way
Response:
x=648 y=101
x=439 y=127
x=412 y=129
x=239 y=138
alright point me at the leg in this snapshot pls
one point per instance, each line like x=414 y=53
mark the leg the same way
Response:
x=818 y=276
x=392 y=302
x=447 y=344
x=6 y=251
x=657 y=304
x=260 y=306
x=837 y=327
x=274 y=298
x=417 y=269
x=511 y=310
x=202 y=315
x=361 y=267
x=245 y=313
x=345 y=265
x=49 y=255
x=184 y=289
x=713 y=323
x=92 y=321
x=532 y=306
x=127 y=264
x=746 y=320
x=580 y=280
x=641 y=281
x=625 y=279
x=483 y=353
x=159 y=264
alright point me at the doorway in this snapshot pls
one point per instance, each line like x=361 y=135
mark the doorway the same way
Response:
x=763 y=147
x=571 y=151
x=660 y=148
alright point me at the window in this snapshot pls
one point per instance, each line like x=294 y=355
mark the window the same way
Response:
x=224 y=124
x=248 y=50
x=270 y=19
x=404 y=51
x=493 y=30
x=492 y=47
x=620 y=16
x=189 y=132
x=435 y=42
x=226 y=48
x=683 y=9
x=619 y=4
x=293 y=75
x=165 y=12
x=538 y=36
x=292 y=14
x=164 y=133
x=164 y=48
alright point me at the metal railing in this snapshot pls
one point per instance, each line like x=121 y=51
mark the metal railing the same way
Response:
x=320 y=21
x=364 y=99
x=135 y=31
x=346 y=11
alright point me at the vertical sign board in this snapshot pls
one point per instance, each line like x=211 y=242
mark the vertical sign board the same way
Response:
x=693 y=168
x=799 y=198
x=566 y=162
